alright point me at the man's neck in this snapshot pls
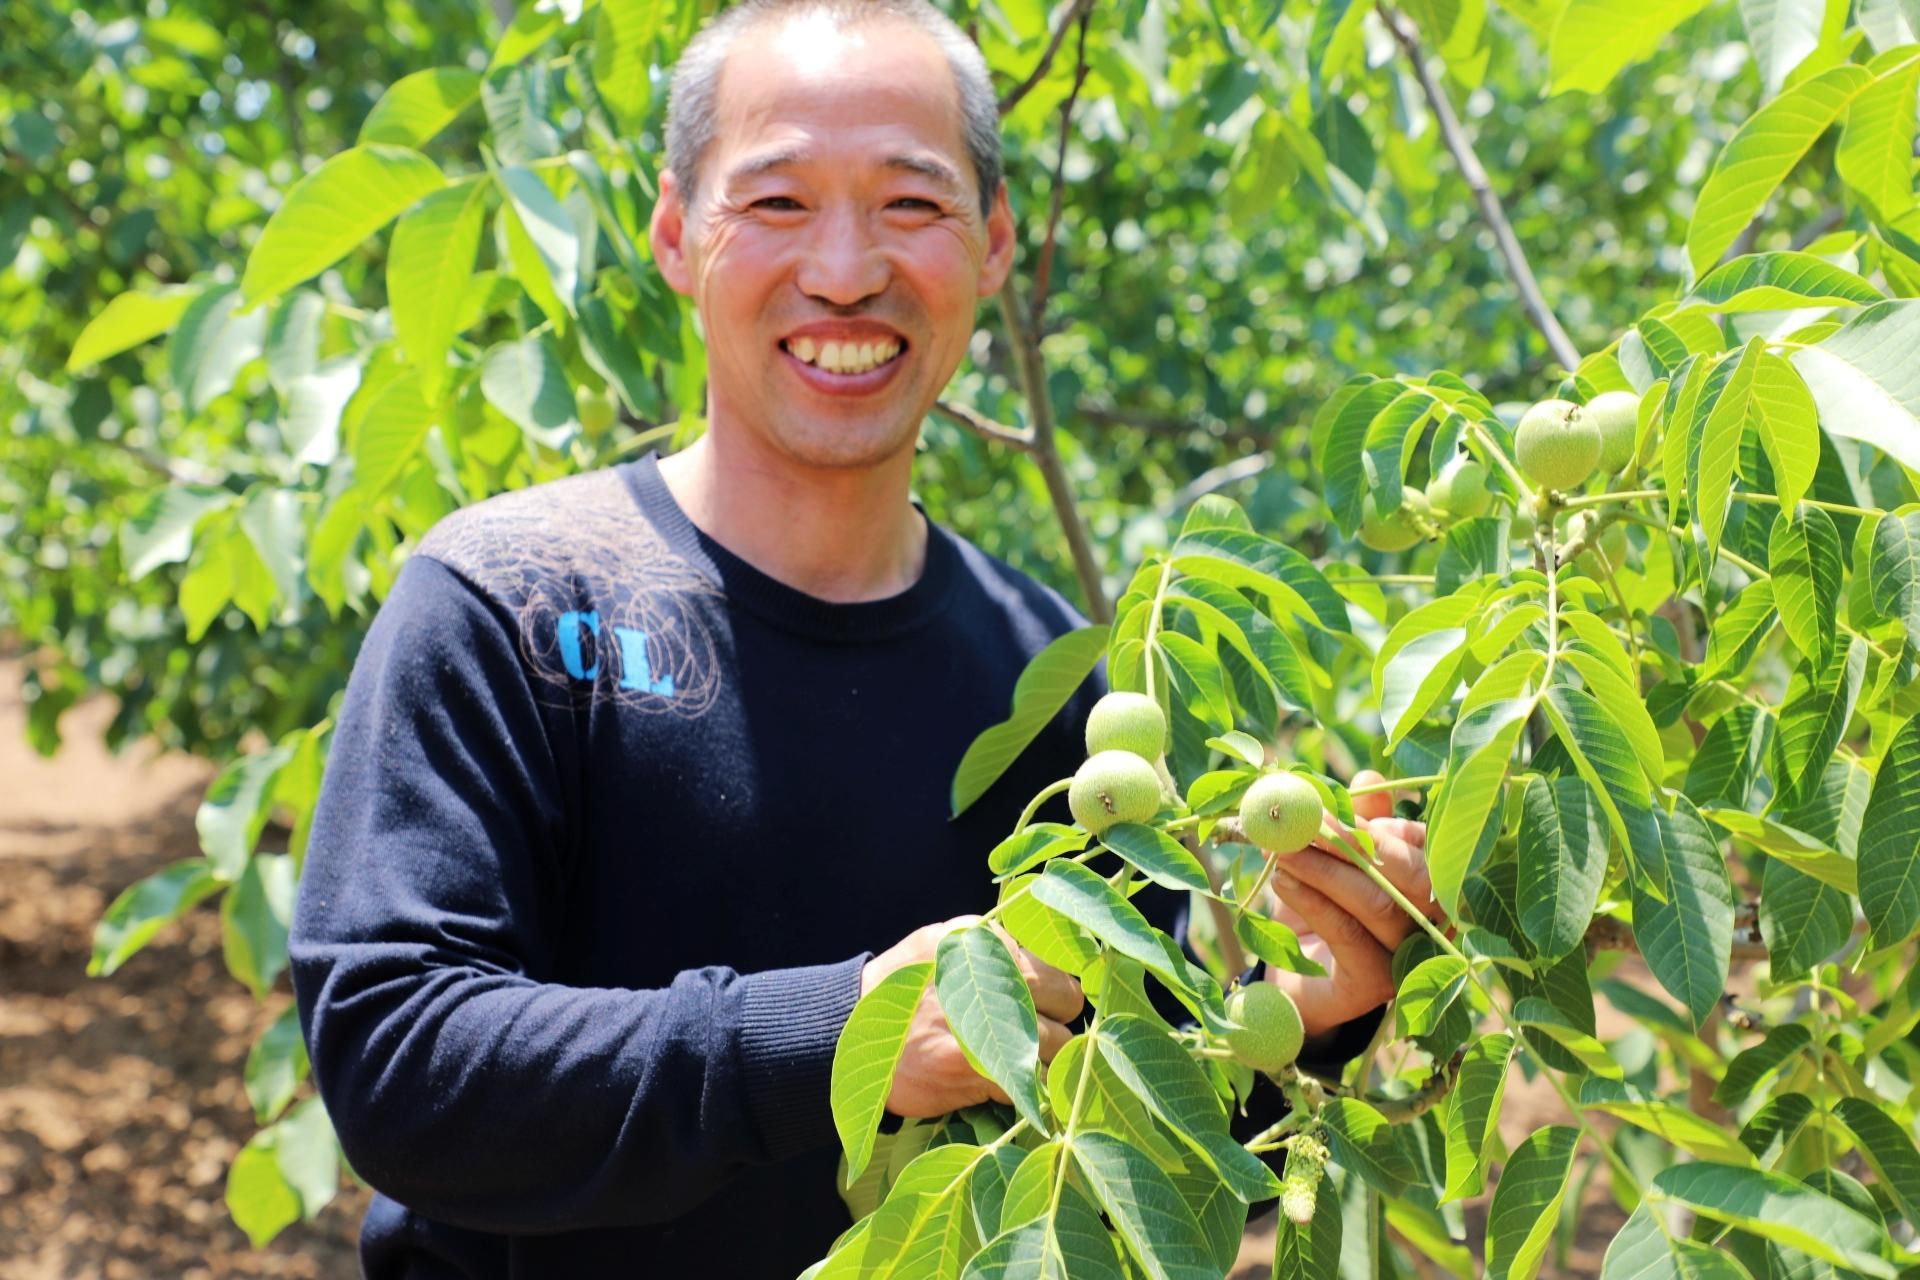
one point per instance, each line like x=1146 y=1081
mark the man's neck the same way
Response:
x=840 y=535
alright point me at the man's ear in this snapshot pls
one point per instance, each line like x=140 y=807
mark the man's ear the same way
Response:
x=999 y=259
x=667 y=233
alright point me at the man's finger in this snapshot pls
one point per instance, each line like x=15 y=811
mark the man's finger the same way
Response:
x=1053 y=1038
x=1362 y=967
x=1377 y=804
x=1399 y=849
x=1056 y=994
x=1349 y=889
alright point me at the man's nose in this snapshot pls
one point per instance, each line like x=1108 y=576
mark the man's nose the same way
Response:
x=844 y=262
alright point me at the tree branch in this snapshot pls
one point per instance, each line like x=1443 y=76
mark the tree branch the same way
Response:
x=1475 y=175
x=1107 y=415
x=1043 y=273
x=1033 y=382
x=1013 y=96
x=1219 y=478
x=984 y=427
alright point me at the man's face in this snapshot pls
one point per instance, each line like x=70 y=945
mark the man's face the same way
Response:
x=835 y=247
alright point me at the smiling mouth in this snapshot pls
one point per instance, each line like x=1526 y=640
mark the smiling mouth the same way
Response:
x=845 y=358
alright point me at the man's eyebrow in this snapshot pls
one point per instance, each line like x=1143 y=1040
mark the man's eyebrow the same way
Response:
x=927 y=167
x=767 y=162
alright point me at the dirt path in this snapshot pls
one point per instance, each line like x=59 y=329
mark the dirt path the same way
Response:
x=120 y=1098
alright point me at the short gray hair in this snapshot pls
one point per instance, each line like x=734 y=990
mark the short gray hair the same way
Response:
x=692 y=109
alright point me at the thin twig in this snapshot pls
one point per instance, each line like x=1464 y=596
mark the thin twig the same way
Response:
x=1043 y=273
x=1475 y=175
x=984 y=427
x=1012 y=98
x=1219 y=478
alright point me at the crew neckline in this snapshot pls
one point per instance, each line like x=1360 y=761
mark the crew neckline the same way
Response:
x=788 y=606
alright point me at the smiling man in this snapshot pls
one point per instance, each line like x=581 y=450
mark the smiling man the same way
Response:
x=641 y=777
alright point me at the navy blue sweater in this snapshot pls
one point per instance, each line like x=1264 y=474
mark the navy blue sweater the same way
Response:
x=611 y=822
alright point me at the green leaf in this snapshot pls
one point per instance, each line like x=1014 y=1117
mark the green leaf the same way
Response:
x=1563 y=863
x=990 y=1011
x=1069 y=1244
x=1526 y=1202
x=1043 y=688
x=542 y=243
x=1712 y=455
x=1819 y=703
x=622 y=52
x=1693 y=1133
x=1540 y=1015
x=1044 y=931
x=1096 y=906
x=1890 y=842
x=1769 y=1130
x=1243 y=560
x=255 y=916
x=1034 y=844
x=1784 y=414
x=1801 y=920
x=211 y=344
x=309 y=1156
x=1203 y=680
x=1865 y=380
x=1310 y=1252
x=1687 y=940
x=1739 y=631
x=1483 y=744
x=1730 y=758
x=1781 y=281
x=1160 y=1230
x=1622 y=695
x=276 y=1065
x=1602 y=755
x=1647 y=1250
x=1419 y=662
x=1595 y=39
x=1796 y=848
x=1782 y=33
x=924 y=1227
x=259 y=1196
x=432 y=254
x=1751 y=1066
x=331 y=211
x=1893 y=569
x=1779 y=1209
x=146 y=907
x=1275 y=943
x=1161 y=1073
x=161 y=531
x=1888 y=1148
x=235 y=809
x=525 y=381
x=1365 y=1142
x=865 y=1056
x=1342 y=464
x=130 y=319
x=416 y=107
x=1875 y=156
x=1761 y=153
x=532 y=27
x=1428 y=992
x=316 y=406
x=1252 y=633
x=394 y=418
x=1804 y=556
x=1474 y=1113
x=1157 y=856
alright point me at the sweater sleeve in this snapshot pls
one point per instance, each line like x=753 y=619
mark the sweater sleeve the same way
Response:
x=460 y=1084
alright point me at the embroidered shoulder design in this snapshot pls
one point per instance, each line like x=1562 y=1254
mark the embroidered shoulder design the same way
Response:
x=608 y=611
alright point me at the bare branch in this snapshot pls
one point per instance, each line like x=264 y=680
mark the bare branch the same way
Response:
x=1033 y=382
x=984 y=427
x=1043 y=273
x=1219 y=478
x=1475 y=175
x=1013 y=96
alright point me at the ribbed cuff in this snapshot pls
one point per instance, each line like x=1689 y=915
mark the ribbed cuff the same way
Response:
x=790 y=1022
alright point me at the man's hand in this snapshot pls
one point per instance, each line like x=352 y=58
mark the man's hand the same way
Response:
x=934 y=1076
x=1347 y=922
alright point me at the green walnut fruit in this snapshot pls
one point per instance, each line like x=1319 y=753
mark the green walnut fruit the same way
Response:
x=1556 y=445
x=1265 y=1031
x=1460 y=490
x=1523 y=522
x=596 y=410
x=1113 y=786
x=1397 y=530
x=1127 y=722
x=1616 y=415
x=1281 y=812
x=1613 y=541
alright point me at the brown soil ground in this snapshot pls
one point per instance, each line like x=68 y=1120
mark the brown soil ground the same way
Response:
x=120 y=1098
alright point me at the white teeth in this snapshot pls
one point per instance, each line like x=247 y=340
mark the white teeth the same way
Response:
x=845 y=357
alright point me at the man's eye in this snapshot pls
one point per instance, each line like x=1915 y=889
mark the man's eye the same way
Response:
x=916 y=204
x=777 y=204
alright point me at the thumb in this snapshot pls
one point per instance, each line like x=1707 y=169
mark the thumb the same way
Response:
x=1379 y=804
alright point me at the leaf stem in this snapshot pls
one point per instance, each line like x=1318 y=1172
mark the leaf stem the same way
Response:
x=1602 y=499
x=1147 y=662
x=1838 y=508
x=1047 y=793
x=1487 y=442
x=1397 y=784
